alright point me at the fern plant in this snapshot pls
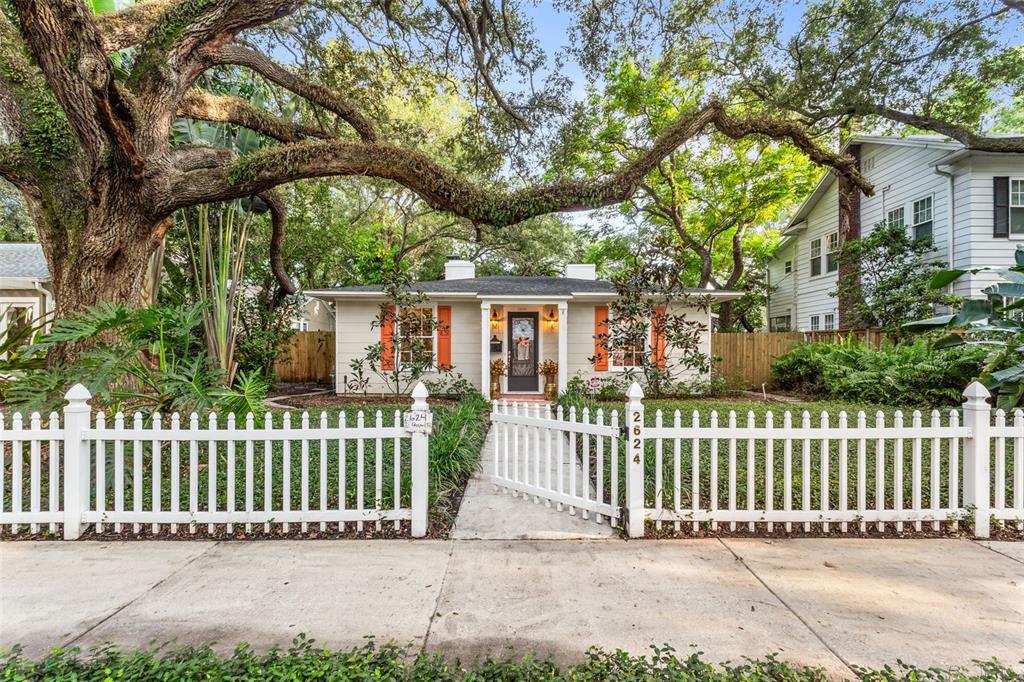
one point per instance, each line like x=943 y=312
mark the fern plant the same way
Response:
x=150 y=359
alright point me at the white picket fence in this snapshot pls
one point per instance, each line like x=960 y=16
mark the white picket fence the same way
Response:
x=554 y=457
x=911 y=472
x=117 y=474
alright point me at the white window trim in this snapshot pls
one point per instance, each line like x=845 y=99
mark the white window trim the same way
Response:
x=826 y=324
x=812 y=325
x=910 y=225
x=1010 y=206
x=827 y=252
x=820 y=257
x=8 y=302
x=397 y=345
x=612 y=367
x=888 y=217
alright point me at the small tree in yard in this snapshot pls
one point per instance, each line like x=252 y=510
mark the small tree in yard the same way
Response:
x=889 y=280
x=645 y=334
x=406 y=349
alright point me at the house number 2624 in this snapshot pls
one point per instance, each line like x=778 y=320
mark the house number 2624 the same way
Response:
x=637 y=420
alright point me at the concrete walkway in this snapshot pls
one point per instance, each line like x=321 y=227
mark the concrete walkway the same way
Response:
x=487 y=513
x=825 y=602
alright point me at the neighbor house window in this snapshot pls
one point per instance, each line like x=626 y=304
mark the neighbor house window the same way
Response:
x=896 y=218
x=788 y=268
x=1017 y=206
x=815 y=257
x=17 y=317
x=303 y=326
x=815 y=323
x=832 y=255
x=416 y=331
x=922 y=215
x=830 y=321
x=780 y=323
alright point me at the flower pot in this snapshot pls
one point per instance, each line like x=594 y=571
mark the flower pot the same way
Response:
x=495 y=387
x=550 y=388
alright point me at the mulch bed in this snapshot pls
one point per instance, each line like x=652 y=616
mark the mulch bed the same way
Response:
x=323 y=400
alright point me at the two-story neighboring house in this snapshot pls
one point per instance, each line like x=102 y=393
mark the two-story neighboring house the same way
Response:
x=970 y=203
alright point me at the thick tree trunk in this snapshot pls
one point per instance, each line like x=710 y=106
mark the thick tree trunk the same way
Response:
x=107 y=263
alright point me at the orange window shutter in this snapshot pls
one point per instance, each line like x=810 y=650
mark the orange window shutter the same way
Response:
x=444 y=336
x=600 y=338
x=658 y=337
x=387 y=339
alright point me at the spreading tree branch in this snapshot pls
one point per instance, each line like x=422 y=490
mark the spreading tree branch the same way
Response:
x=63 y=38
x=313 y=92
x=445 y=190
x=204 y=106
x=278 y=218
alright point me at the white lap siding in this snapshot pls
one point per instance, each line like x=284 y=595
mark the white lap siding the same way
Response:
x=581 y=340
x=814 y=290
x=975 y=217
x=354 y=320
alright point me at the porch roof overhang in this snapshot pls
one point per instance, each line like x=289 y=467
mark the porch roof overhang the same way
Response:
x=502 y=289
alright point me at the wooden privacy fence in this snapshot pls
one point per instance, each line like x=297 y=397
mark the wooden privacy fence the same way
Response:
x=746 y=357
x=833 y=475
x=86 y=470
x=309 y=356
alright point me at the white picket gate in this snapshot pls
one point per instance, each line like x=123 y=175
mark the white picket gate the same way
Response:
x=914 y=472
x=118 y=474
x=554 y=457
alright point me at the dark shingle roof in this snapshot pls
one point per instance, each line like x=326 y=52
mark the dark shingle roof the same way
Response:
x=499 y=285
x=23 y=260
x=503 y=285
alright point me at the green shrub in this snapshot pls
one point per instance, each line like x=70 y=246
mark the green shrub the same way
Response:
x=455 y=445
x=304 y=661
x=903 y=374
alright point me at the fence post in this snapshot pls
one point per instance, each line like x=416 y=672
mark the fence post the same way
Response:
x=76 y=460
x=418 y=422
x=635 y=464
x=977 y=458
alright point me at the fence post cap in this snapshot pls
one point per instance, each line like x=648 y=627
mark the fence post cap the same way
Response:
x=419 y=396
x=77 y=394
x=976 y=391
x=635 y=392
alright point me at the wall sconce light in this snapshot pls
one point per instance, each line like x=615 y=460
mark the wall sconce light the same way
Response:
x=495 y=318
x=551 y=317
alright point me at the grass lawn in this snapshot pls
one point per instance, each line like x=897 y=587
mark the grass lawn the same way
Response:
x=454 y=452
x=747 y=461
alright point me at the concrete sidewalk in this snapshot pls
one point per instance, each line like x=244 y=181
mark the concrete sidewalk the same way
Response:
x=832 y=602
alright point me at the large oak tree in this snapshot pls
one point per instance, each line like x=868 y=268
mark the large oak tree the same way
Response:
x=87 y=106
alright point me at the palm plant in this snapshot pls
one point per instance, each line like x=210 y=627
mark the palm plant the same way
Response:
x=995 y=322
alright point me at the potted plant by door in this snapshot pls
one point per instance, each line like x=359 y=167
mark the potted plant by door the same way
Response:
x=549 y=368
x=498 y=369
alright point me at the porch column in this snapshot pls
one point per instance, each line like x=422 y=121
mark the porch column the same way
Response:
x=485 y=350
x=563 y=345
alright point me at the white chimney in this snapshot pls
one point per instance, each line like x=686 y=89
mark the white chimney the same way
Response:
x=581 y=271
x=459 y=269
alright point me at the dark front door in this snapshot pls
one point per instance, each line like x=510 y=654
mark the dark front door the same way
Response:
x=522 y=349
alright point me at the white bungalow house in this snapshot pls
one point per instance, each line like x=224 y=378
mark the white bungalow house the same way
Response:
x=524 y=320
x=25 y=290
x=970 y=204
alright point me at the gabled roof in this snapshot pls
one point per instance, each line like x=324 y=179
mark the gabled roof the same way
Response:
x=23 y=261
x=921 y=141
x=503 y=286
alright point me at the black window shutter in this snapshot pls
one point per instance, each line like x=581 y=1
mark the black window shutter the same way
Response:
x=1001 y=206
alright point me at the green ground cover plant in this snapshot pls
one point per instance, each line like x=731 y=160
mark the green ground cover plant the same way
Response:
x=915 y=373
x=454 y=450
x=304 y=660
x=752 y=456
